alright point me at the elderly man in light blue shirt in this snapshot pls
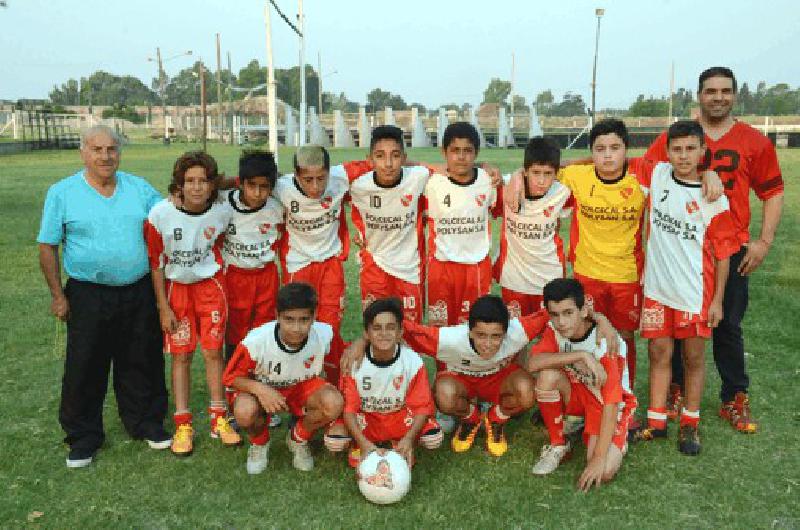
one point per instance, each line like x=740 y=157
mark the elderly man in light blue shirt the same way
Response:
x=96 y=216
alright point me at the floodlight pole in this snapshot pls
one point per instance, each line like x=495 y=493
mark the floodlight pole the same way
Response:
x=271 y=103
x=162 y=81
x=319 y=82
x=220 y=127
x=203 y=102
x=598 y=13
x=302 y=73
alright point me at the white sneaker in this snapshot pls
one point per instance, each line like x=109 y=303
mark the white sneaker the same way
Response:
x=302 y=459
x=550 y=458
x=446 y=422
x=274 y=421
x=257 y=458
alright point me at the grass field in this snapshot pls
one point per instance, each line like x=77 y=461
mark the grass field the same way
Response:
x=739 y=481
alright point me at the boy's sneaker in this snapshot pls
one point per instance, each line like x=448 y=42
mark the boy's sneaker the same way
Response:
x=536 y=417
x=80 y=457
x=227 y=435
x=446 y=422
x=158 y=438
x=496 y=443
x=674 y=402
x=257 y=458
x=354 y=457
x=551 y=457
x=302 y=459
x=464 y=436
x=689 y=441
x=182 y=440
x=737 y=412
x=646 y=434
x=274 y=421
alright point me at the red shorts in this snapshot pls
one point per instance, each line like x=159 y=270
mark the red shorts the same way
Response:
x=485 y=388
x=660 y=321
x=327 y=278
x=453 y=287
x=251 y=299
x=583 y=403
x=377 y=283
x=201 y=311
x=297 y=395
x=389 y=427
x=520 y=304
x=621 y=303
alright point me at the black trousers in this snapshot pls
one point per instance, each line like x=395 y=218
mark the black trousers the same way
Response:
x=728 y=339
x=119 y=327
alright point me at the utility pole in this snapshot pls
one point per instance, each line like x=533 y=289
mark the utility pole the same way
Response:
x=301 y=20
x=203 y=102
x=671 y=88
x=319 y=81
x=512 y=89
x=162 y=81
x=271 y=103
x=230 y=95
x=598 y=13
x=219 y=93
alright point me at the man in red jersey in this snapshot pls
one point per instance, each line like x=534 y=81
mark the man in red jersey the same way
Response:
x=744 y=159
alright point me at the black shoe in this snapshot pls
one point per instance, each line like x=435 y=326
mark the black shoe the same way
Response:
x=157 y=438
x=80 y=457
x=689 y=441
x=536 y=418
x=646 y=434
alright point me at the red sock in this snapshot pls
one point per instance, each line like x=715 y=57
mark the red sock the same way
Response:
x=261 y=438
x=496 y=415
x=299 y=433
x=552 y=409
x=657 y=418
x=690 y=417
x=473 y=414
x=630 y=344
x=183 y=418
x=215 y=412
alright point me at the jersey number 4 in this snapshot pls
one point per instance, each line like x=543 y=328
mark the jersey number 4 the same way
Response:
x=446 y=200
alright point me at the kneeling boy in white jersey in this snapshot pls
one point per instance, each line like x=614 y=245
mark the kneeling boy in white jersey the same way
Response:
x=278 y=367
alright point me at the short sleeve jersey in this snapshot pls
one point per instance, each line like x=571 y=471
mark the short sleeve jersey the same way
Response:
x=605 y=234
x=389 y=219
x=452 y=344
x=384 y=387
x=744 y=159
x=686 y=234
x=185 y=244
x=252 y=234
x=531 y=251
x=102 y=236
x=458 y=217
x=262 y=356
x=315 y=228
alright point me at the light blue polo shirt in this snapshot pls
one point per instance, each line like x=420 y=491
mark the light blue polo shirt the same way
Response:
x=102 y=237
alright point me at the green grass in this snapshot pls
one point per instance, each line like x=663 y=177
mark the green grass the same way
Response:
x=739 y=481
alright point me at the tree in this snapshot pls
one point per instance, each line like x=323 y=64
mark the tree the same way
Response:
x=649 y=106
x=378 y=99
x=544 y=102
x=67 y=94
x=497 y=91
x=519 y=105
x=103 y=88
x=682 y=103
x=331 y=102
x=420 y=107
x=571 y=105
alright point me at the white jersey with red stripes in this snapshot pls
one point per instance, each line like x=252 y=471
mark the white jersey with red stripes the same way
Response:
x=458 y=217
x=531 y=251
x=276 y=365
x=315 y=229
x=186 y=244
x=452 y=345
x=389 y=220
x=384 y=387
x=686 y=233
x=252 y=233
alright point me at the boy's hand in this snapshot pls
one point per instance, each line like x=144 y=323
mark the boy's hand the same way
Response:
x=271 y=400
x=358 y=240
x=715 y=313
x=606 y=331
x=712 y=186
x=353 y=355
x=494 y=173
x=60 y=307
x=596 y=368
x=366 y=449
x=592 y=475
x=169 y=324
x=406 y=449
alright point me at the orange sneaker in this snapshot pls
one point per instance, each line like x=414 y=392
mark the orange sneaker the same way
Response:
x=223 y=430
x=182 y=440
x=464 y=436
x=496 y=443
x=737 y=412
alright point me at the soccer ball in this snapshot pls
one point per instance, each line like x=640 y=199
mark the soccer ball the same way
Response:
x=384 y=478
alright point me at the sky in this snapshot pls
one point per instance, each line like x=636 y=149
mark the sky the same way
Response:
x=429 y=51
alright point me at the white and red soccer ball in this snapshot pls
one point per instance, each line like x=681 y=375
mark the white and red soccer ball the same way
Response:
x=384 y=477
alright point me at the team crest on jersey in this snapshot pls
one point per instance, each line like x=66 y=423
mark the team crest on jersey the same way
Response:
x=480 y=199
x=264 y=227
x=549 y=211
x=692 y=207
x=653 y=317
x=406 y=199
x=514 y=309
x=209 y=232
x=437 y=312
x=398 y=382
x=626 y=193
x=308 y=362
x=183 y=333
x=326 y=202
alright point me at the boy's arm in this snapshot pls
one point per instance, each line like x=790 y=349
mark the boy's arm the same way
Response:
x=351 y=422
x=421 y=339
x=237 y=375
x=169 y=324
x=715 y=312
x=51 y=270
x=593 y=473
